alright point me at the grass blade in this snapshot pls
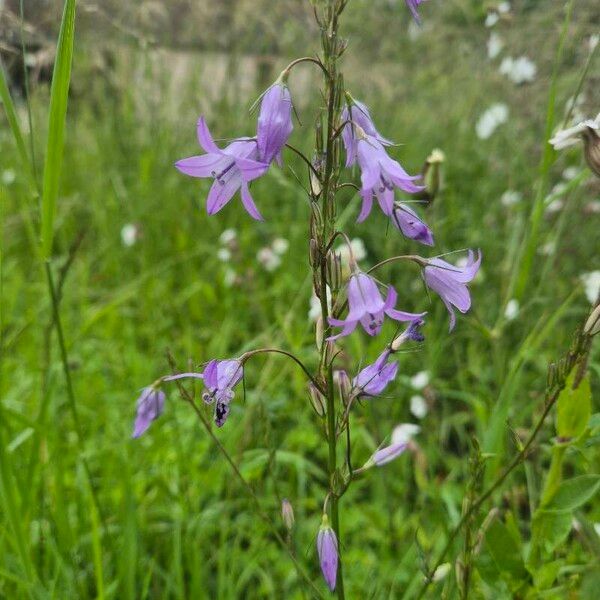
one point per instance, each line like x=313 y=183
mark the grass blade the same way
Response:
x=59 y=96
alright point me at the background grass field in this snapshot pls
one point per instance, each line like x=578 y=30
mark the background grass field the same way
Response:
x=174 y=523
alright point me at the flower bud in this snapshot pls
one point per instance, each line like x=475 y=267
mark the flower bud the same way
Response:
x=591 y=141
x=287 y=514
x=316 y=399
x=432 y=176
x=327 y=548
x=319 y=330
x=592 y=325
x=344 y=385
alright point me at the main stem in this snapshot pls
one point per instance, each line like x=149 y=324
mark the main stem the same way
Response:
x=330 y=53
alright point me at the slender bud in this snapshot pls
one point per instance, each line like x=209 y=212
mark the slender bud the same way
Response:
x=432 y=176
x=327 y=548
x=592 y=325
x=316 y=399
x=314 y=252
x=591 y=141
x=319 y=330
x=287 y=514
x=344 y=385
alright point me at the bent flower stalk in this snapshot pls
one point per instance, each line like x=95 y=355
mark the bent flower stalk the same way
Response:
x=345 y=296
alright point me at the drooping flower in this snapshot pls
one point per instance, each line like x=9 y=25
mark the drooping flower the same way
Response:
x=357 y=113
x=589 y=132
x=232 y=168
x=401 y=440
x=220 y=377
x=327 y=548
x=413 y=5
x=411 y=333
x=380 y=174
x=274 y=122
x=450 y=282
x=150 y=405
x=367 y=307
x=406 y=220
x=373 y=379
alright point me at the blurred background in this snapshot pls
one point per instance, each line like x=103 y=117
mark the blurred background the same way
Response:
x=143 y=270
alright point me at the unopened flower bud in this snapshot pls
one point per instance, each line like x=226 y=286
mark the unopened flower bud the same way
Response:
x=344 y=385
x=313 y=252
x=432 y=175
x=287 y=514
x=316 y=399
x=327 y=548
x=591 y=141
x=319 y=333
x=592 y=325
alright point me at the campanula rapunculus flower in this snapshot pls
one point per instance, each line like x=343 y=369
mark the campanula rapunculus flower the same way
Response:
x=357 y=113
x=274 y=122
x=232 y=168
x=450 y=282
x=373 y=379
x=367 y=307
x=327 y=547
x=411 y=333
x=380 y=175
x=413 y=5
x=150 y=405
x=220 y=377
x=406 y=220
x=400 y=442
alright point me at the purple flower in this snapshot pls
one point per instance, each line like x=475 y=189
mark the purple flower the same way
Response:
x=412 y=5
x=449 y=281
x=406 y=220
x=401 y=440
x=373 y=379
x=274 y=122
x=150 y=406
x=220 y=377
x=412 y=333
x=380 y=175
x=232 y=168
x=327 y=547
x=367 y=306
x=358 y=114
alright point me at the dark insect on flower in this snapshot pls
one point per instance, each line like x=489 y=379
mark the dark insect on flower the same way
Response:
x=220 y=377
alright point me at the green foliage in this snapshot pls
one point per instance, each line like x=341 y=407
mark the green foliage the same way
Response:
x=573 y=408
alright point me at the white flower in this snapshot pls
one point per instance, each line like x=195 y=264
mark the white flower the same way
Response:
x=268 y=259
x=548 y=249
x=418 y=406
x=554 y=206
x=503 y=8
x=593 y=42
x=8 y=176
x=512 y=309
x=511 y=197
x=402 y=434
x=492 y=18
x=129 y=235
x=570 y=173
x=572 y=135
x=420 y=380
x=490 y=120
x=494 y=45
x=228 y=236
x=315 y=305
x=223 y=254
x=445 y=568
x=591 y=284
x=280 y=245
x=593 y=206
x=519 y=70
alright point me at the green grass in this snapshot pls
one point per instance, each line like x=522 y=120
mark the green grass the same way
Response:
x=173 y=521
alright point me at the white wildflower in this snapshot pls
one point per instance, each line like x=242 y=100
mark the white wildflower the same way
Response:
x=511 y=311
x=280 y=245
x=494 y=45
x=510 y=198
x=591 y=285
x=418 y=406
x=420 y=380
x=129 y=235
x=490 y=120
x=268 y=259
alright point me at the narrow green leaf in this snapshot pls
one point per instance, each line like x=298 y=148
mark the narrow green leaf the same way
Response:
x=575 y=492
x=550 y=528
x=59 y=96
x=506 y=552
x=13 y=120
x=574 y=407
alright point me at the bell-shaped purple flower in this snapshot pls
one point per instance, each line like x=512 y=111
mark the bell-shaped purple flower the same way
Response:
x=220 y=377
x=150 y=406
x=411 y=333
x=413 y=5
x=274 y=122
x=327 y=548
x=357 y=113
x=380 y=175
x=401 y=441
x=232 y=168
x=406 y=220
x=373 y=379
x=367 y=307
x=450 y=282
